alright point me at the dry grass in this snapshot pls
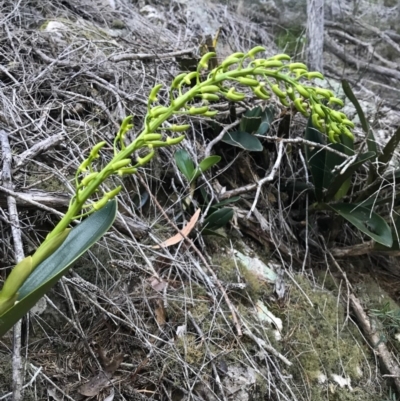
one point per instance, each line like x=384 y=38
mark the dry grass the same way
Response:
x=160 y=312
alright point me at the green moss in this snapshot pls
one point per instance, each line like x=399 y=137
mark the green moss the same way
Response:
x=232 y=271
x=320 y=340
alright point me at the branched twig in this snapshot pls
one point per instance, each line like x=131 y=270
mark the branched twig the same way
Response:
x=270 y=177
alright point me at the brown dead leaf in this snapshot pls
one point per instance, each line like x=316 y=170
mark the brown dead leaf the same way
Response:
x=178 y=237
x=95 y=384
x=160 y=312
x=102 y=379
x=158 y=284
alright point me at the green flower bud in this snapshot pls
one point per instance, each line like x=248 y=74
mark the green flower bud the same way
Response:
x=84 y=165
x=234 y=96
x=300 y=106
x=152 y=137
x=158 y=144
x=283 y=57
x=318 y=109
x=300 y=73
x=275 y=88
x=284 y=101
x=335 y=128
x=154 y=93
x=158 y=111
x=210 y=89
x=258 y=49
x=237 y=55
x=248 y=81
x=272 y=64
x=94 y=153
x=203 y=63
x=112 y=194
x=85 y=181
x=144 y=160
x=175 y=141
x=297 y=66
x=348 y=133
x=335 y=100
x=178 y=128
x=316 y=122
x=229 y=61
x=126 y=124
x=302 y=91
x=177 y=80
x=122 y=163
x=127 y=170
x=347 y=122
x=100 y=204
x=259 y=91
x=190 y=76
x=193 y=111
x=314 y=74
x=332 y=136
x=336 y=115
x=324 y=92
x=210 y=113
x=290 y=93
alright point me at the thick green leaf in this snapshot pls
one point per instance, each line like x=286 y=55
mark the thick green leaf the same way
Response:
x=206 y=164
x=46 y=275
x=243 y=140
x=340 y=179
x=139 y=200
x=372 y=145
x=185 y=164
x=226 y=201
x=251 y=120
x=366 y=221
x=267 y=116
x=206 y=231
x=218 y=219
x=371 y=142
x=316 y=158
x=388 y=150
x=395 y=233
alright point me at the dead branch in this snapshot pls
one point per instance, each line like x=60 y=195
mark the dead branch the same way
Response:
x=338 y=51
x=17 y=366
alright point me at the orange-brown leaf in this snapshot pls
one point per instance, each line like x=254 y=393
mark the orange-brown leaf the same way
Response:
x=185 y=230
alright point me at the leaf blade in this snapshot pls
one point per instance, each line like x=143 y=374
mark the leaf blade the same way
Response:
x=368 y=222
x=47 y=273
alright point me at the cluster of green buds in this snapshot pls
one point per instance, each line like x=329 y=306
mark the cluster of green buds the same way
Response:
x=264 y=77
x=193 y=94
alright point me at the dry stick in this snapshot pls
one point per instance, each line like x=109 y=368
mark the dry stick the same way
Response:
x=211 y=356
x=17 y=367
x=201 y=256
x=270 y=177
x=371 y=50
x=378 y=346
x=145 y=56
x=62 y=201
x=33 y=378
x=37 y=148
x=219 y=137
x=338 y=51
x=382 y=35
x=252 y=186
